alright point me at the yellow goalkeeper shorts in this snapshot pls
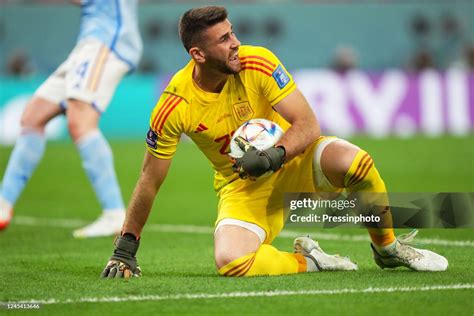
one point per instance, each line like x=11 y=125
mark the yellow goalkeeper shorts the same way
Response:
x=261 y=202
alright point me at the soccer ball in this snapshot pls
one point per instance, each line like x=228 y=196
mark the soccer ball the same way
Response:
x=261 y=133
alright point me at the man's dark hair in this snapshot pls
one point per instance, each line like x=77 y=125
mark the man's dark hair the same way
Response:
x=195 y=21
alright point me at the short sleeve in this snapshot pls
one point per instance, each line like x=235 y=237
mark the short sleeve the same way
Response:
x=165 y=127
x=268 y=73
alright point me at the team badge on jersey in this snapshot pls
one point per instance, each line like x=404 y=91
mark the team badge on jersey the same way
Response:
x=151 y=139
x=243 y=111
x=281 y=77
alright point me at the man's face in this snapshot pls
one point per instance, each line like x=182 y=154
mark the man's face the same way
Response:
x=221 y=48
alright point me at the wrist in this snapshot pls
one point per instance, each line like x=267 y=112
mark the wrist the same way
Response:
x=282 y=152
x=276 y=157
x=126 y=245
x=129 y=236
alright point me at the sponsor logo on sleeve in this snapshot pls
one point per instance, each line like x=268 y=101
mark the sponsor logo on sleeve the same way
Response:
x=281 y=77
x=151 y=139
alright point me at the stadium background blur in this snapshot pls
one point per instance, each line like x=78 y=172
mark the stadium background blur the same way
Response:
x=403 y=50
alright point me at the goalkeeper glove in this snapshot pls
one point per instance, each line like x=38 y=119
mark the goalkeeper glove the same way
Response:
x=123 y=263
x=254 y=162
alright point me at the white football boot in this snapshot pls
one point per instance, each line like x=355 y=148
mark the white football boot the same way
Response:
x=324 y=262
x=402 y=254
x=6 y=213
x=108 y=224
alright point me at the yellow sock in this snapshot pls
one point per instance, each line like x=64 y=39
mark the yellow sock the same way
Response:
x=364 y=177
x=381 y=237
x=266 y=261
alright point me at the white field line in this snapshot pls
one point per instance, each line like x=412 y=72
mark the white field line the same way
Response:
x=194 y=229
x=201 y=296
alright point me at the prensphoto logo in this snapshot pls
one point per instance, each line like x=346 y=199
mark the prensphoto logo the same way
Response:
x=342 y=219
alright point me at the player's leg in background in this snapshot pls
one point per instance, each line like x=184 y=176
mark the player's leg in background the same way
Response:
x=27 y=153
x=97 y=161
x=90 y=87
x=345 y=165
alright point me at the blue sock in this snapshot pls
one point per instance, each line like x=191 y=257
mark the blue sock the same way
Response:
x=26 y=155
x=98 y=162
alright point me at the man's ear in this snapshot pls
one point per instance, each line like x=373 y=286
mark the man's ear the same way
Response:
x=197 y=55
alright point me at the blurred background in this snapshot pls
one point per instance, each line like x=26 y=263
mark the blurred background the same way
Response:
x=369 y=67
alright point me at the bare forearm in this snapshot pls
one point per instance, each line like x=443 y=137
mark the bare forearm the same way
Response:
x=139 y=209
x=153 y=174
x=299 y=136
x=304 y=128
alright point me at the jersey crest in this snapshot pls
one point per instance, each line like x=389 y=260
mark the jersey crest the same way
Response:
x=243 y=111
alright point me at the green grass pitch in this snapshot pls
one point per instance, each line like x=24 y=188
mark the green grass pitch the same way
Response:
x=41 y=261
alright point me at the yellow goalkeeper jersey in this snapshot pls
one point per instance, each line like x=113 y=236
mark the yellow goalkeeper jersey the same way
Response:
x=210 y=119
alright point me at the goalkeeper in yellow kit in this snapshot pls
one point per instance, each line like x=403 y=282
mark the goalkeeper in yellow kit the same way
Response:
x=224 y=85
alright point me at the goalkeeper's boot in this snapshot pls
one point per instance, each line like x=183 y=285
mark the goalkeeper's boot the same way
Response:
x=6 y=213
x=108 y=224
x=402 y=254
x=324 y=262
